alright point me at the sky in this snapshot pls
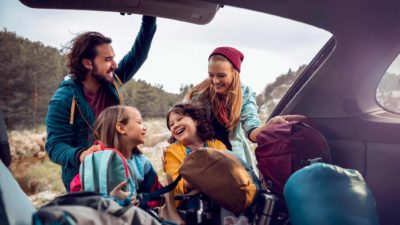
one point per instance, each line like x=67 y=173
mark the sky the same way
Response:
x=271 y=45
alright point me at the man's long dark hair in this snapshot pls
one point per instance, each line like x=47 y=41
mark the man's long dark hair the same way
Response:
x=81 y=47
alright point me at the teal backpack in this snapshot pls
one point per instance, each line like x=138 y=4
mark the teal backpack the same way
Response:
x=104 y=169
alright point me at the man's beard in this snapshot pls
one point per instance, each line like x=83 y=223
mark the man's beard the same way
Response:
x=98 y=77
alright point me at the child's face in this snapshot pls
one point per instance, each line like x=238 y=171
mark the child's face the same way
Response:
x=134 y=129
x=183 y=128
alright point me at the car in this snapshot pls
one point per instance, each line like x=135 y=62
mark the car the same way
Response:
x=338 y=88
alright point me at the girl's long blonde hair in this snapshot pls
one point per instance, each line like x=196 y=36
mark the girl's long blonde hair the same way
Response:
x=205 y=91
x=105 y=127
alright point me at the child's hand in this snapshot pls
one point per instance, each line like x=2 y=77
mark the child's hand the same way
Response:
x=118 y=192
x=135 y=201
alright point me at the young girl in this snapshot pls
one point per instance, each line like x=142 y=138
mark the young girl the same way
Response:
x=190 y=131
x=121 y=128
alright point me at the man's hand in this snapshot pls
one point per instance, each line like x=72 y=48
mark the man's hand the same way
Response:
x=88 y=151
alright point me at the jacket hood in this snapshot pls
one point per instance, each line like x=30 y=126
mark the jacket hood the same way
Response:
x=68 y=81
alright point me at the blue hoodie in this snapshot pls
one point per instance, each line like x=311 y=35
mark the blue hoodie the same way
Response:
x=69 y=117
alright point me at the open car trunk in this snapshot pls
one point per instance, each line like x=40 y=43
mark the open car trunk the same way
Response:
x=197 y=12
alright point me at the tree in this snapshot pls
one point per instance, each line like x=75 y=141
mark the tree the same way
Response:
x=29 y=73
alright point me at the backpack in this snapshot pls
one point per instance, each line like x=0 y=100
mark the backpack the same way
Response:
x=285 y=148
x=89 y=208
x=102 y=170
x=327 y=194
x=222 y=177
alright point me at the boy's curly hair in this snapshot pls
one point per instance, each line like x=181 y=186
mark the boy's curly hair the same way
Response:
x=204 y=127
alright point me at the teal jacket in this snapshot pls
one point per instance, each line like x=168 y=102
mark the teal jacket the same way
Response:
x=70 y=119
x=249 y=120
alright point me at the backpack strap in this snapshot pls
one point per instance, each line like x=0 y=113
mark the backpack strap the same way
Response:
x=88 y=181
x=103 y=171
x=188 y=151
x=117 y=88
x=155 y=195
x=75 y=103
x=102 y=146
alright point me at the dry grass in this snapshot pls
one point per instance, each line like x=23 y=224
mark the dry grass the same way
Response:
x=157 y=132
x=31 y=166
x=26 y=144
x=36 y=176
x=155 y=143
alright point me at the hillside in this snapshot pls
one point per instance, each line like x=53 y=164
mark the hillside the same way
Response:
x=30 y=73
x=273 y=92
x=388 y=92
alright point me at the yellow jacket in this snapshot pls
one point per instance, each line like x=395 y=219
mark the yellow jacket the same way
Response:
x=173 y=159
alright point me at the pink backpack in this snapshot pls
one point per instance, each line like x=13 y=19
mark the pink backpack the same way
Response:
x=285 y=148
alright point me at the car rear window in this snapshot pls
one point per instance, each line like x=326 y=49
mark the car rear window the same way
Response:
x=388 y=91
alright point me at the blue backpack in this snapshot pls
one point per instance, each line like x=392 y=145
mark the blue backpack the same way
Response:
x=104 y=169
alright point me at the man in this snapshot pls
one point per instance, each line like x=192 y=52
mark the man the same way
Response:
x=93 y=84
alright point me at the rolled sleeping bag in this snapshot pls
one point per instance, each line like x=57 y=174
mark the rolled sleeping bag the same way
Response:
x=327 y=194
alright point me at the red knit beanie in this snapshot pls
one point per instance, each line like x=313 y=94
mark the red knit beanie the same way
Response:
x=231 y=54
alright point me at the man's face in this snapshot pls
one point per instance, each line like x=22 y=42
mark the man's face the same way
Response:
x=104 y=64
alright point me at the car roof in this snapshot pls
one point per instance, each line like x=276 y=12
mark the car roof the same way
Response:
x=330 y=15
x=198 y=12
x=327 y=14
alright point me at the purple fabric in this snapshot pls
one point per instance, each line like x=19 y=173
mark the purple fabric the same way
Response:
x=285 y=148
x=98 y=101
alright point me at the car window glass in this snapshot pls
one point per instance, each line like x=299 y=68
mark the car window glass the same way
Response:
x=388 y=91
